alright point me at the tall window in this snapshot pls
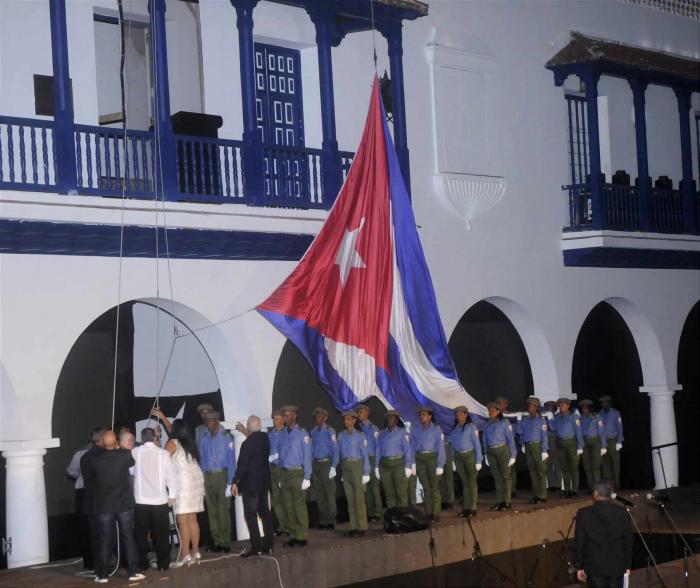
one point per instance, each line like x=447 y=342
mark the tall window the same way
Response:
x=578 y=139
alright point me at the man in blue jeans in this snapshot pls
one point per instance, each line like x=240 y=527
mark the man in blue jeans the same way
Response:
x=114 y=502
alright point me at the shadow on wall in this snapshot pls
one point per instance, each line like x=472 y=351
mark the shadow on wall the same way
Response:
x=606 y=361
x=687 y=400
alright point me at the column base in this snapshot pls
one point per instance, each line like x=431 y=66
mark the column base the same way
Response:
x=663 y=432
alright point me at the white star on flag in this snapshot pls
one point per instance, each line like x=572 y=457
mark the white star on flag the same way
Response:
x=348 y=257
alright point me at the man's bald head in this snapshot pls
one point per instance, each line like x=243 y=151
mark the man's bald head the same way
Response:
x=110 y=440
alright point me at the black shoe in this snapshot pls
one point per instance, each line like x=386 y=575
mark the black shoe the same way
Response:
x=350 y=533
x=538 y=500
x=281 y=534
x=225 y=548
x=359 y=533
x=213 y=549
x=374 y=519
x=321 y=527
x=291 y=543
x=251 y=552
x=496 y=506
x=513 y=494
x=505 y=506
x=300 y=542
x=464 y=513
x=447 y=505
x=472 y=513
x=266 y=551
x=435 y=518
x=574 y=494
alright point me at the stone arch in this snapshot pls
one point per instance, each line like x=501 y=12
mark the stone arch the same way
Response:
x=687 y=399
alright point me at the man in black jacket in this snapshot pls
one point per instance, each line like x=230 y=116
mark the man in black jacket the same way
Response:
x=252 y=482
x=603 y=541
x=88 y=503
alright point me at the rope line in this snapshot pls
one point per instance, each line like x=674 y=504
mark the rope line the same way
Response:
x=374 y=31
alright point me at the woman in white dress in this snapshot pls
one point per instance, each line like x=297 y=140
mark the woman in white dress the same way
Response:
x=190 y=483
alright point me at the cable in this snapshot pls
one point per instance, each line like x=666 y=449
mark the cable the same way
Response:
x=221 y=322
x=277 y=563
x=374 y=30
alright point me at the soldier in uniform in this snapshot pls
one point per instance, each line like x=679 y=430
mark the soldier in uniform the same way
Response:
x=276 y=435
x=500 y=454
x=324 y=450
x=413 y=479
x=200 y=430
x=554 y=477
x=567 y=427
x=612 y=423
x=354 y=456
x=503 y=403
x=394 y=460
x=218 y=462
x=593 y=442
x=532 y=431
x=447 y=480
x=295 y=461
x=373 y=497
x=428 y=446
x=464 y=438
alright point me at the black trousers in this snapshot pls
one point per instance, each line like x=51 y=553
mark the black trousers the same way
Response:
x=605 y=581
x=255 y=505
x=105 y=531
x=84 y=531
x=153 y=518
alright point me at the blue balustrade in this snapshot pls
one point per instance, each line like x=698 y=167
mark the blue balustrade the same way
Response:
x=292 y=178
x=27 y=160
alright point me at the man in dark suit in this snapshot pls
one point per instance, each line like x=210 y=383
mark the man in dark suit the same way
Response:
x=603 y=541
x=252 y=482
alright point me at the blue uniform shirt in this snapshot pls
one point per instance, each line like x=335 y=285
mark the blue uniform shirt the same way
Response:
x=592 y=426
x=354 y=446
x=295 y=450
x=612 y=421
x=276 y=437
x=532 y=429
x=394 y=444
x=217 y=453
x=324 y=444
x=567 y=426
x=466 y=438
x=499 y=432
x=430 y=439
x=372 y=435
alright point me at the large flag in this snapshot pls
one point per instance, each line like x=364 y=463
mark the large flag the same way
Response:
x=360 y=304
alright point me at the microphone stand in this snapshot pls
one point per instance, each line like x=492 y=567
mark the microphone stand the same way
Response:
x=676 y=531
x=476 y=555
x=431 y=546
x=650 y=556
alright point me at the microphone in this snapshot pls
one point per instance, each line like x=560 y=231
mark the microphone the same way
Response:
x=653 y=501
x=624 y=501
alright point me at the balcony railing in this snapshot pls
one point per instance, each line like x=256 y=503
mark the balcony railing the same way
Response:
x=621 y=211
x=208 y=169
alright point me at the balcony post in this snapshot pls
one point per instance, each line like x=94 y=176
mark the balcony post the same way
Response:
x=64 y=134
x=590 y=78
x=165 y=172
x=639 y=88
x=252 y=159
x=690 y=210
x=392 y=31
x=323 y=17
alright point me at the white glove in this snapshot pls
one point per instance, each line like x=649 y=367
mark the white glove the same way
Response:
x=413 y=469
x=273 y=457
x=332 y=473
x=548 y=415
x=618 y=446
x=486 y=461
x=522 y=448
x=365 y=479
x=603 y=451
x=519 y=417
x=545 y=456
x=478 y=467
x=306 y=484
x=454 y=467
x=376 y=473
x=511 y=462
x=439 y=471
x=579 y=452
x=408 y=472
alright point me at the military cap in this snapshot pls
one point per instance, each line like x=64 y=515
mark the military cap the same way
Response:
x=533 y=400
x=205 y=406
x=289 y=408
x=392 y=413
x=605 y=398
x=277 y=412
x=460 y=408
x=493 y=405
x=212 y=415
x=428 y=409
x=361 y=407
x=319 y=410
x=550 y=403
x=350 y=413
x=564 y=401
x=585 y=401
x=500 y=399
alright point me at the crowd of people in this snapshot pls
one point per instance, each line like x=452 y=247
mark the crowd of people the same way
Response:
x=128 y=487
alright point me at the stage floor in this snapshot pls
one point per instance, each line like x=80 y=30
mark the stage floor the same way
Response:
x=332 y=560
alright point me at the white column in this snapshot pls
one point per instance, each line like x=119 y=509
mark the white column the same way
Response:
x=27 y=524
x=663 y=431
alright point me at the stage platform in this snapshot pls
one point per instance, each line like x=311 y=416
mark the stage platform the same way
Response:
x=512 y=541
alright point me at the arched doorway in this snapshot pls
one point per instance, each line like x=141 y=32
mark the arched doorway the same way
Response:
x=606 y=361
x=490 y=357
x=154 y=346
x=687 y=400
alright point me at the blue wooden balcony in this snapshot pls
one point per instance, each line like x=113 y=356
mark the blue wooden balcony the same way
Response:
x=207 y=169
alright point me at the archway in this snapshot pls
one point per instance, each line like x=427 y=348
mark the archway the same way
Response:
x=84 y=391
x=606 y=361
x=687 y=400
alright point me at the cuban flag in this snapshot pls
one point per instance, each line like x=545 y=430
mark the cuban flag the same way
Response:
x=360 y=304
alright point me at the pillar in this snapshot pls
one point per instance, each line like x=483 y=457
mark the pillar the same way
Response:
x=392 y=31
x=644 y=182
x=663 y=431
x=252 y=159
x=323 y=17
x=590 y=78
x=25 y=495
x=690 y=208
x=63 y=133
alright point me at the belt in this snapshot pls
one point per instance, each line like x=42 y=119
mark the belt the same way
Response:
x=426 y=452
x=322 y=459
x=496 y=446
x=293 y=468
x=463 y=451
x=594 y=437
x=352 y=459
x=393 y=457
x=531 y=442
x=566 y=437
x=216 y=471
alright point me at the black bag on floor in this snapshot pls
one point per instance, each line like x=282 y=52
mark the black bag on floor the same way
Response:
x=405 y=519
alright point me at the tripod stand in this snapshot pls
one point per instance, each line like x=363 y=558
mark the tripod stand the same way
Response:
x=650 y=556
x=477 y=556
x=676 y=531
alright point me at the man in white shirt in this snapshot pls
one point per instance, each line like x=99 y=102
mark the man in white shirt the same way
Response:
x=154 y=491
